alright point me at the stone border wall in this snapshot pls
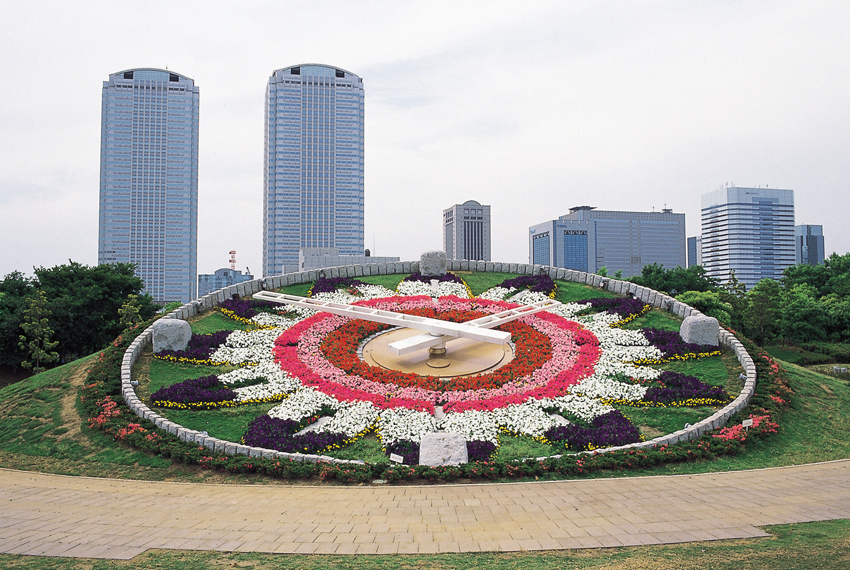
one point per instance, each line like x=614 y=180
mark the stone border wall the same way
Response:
x=648 y=296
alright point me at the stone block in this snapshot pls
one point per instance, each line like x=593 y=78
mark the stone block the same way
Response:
x=171 y=334
x=700 y=330
x=398 y=267
x=209 y=443
x=255 y=452
x=488 y=266
x=442 y=448
x=512 y=268
x=464 y=265
x=230 y=448
x=269 y=454
x=242 y=450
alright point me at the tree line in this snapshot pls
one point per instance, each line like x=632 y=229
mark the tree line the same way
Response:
x=811 y=303
x=67 y=311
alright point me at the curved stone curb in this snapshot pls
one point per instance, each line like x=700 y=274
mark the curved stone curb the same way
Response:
x=653 y=298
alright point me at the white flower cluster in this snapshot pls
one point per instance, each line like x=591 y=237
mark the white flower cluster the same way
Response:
x=527 y=418
x=273 y=320
x=607 y=388
x=401 y=423
x=243 y=347
x=276 y=381
x=352 y=418
x=370 y=291
x=413 y=288
x=497 y=293
x=473 y=425
x=579 y=406
x=305 y=402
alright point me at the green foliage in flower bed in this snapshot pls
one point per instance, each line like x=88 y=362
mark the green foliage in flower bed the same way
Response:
x=569 y=292
x=224 y=423
x=478 y=282
x=367 y=448
x=711 y=370
x=514 y=447
x=388 y=281
x=656 y=319
x=215 y=321
x=164 y=373
x=653 y=422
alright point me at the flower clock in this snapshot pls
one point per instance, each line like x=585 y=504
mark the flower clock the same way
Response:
x=565 y=371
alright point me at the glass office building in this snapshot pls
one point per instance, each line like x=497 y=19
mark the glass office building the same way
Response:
x=466 y=231
x=313 y=182
x=587 y=239
x=149 y=179
x=694 y=251
x=749 y=231
x=808 y=244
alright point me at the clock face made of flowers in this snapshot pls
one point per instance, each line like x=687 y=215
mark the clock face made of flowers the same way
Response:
x=567 y=368
x=465 y=357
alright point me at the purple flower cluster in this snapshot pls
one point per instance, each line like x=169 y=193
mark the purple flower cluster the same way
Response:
x=670 y=343
x=447 y=277
x=677 y=387
x=622 y=306
x=204 y=389
x=607 y=430
x=480 y=450
x=247 y=308
x=275 y=433
x=409 y=450
x=537 y=283
x=200 y=346
x=331 y=284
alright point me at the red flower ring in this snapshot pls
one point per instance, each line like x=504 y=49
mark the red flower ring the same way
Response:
x=552 y=354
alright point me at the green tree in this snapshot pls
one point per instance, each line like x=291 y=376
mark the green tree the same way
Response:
x=708 y=303
x=734 y=293
x=761 y=316
x=129 y=312
x=603 y=271
x=803 y=318
x=85 y=303
x=676 y=280
x=37 y=341
x=14 y=290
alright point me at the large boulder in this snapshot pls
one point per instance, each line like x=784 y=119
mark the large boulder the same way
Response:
x=700 y=329
x=442 y=448
x=171 y=334
x=433 y=263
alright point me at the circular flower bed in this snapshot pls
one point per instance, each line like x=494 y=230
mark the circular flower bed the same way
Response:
x=569 y=367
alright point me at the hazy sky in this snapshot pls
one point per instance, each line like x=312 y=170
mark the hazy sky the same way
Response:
x=532 y=109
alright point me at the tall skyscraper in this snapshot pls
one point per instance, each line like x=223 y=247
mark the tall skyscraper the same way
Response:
x=808 y=244
x=694 y=251
x=749 y=231
x=313 y=183
x=466 y=231
x=588 y=239
x=149 y=179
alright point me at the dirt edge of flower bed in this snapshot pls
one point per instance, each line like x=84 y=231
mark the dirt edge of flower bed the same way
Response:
x=653 y=298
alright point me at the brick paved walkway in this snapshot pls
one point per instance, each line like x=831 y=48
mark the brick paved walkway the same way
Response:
x=103 y=518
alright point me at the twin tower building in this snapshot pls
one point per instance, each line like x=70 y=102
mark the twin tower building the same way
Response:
x=312 y=184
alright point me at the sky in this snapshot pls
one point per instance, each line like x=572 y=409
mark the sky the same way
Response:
x=531 y=107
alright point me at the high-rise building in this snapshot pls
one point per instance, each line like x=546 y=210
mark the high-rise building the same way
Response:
x=588 y=239
x=808 y=244
x=225 y=277
x=749 y=231
x=149 y=179
x=466 y=231
x=694 y=251
x=313 y=182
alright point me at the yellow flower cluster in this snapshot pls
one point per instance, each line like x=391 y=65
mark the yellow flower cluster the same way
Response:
x=207 y=362
x=231 y=315
x=631 y=317
x=675 y=357
x=213 y=405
